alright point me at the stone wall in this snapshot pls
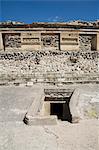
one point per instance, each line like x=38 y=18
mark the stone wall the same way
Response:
x=69 y=41
x=37 y=40
x=49 y=66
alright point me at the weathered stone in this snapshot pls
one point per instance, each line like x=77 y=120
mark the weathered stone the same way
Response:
x=84 y=103
x=58 y=68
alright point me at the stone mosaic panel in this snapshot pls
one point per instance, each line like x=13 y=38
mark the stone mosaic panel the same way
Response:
x=85 y=42
x=12 y=41
x=50 y=41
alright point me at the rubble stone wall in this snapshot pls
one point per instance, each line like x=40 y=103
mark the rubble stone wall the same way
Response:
x=49 y=66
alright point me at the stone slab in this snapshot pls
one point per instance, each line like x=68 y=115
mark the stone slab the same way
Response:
x=41 y=120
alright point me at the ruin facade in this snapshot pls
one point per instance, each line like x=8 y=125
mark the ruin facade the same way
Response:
x=57 y=54
x=81 y=36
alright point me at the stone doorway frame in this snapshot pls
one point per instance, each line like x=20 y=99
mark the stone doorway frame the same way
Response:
x=39 y=111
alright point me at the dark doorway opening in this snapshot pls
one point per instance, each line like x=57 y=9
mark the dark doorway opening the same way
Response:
x=56 y=109
x=62 y=111
x=3 y=37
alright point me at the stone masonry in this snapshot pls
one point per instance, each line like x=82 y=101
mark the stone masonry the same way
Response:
x=55 y=67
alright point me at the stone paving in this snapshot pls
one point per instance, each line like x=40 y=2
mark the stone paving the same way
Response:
x=14 y=102
x=64 y=136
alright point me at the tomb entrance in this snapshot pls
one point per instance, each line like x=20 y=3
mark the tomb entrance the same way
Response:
x=57 y=103
x=50 y=106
